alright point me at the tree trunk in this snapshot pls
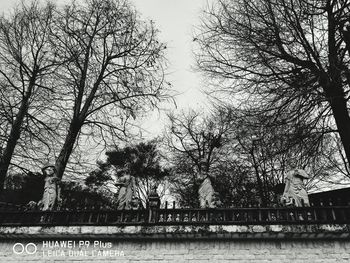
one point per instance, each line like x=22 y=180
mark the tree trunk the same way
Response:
x=333 y=86
x=14 y=135
x=67 y=148
x=342 y=120
x=336 y=97
x=260 y=183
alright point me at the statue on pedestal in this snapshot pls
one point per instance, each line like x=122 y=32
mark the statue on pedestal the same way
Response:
x=206 y=193
x=294 y=191
x=127 y=191
x=52 y=190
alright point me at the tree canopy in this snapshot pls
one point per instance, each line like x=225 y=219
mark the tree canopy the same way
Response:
x=76 y=73
x=286 y=59
x=142 y=160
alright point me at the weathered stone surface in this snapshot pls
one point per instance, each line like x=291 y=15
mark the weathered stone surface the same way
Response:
x=183 y=232
x=201 y=243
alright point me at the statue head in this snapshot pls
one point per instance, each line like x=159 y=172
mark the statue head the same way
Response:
x=301 y=173
x=48 y=169
x=298 y=173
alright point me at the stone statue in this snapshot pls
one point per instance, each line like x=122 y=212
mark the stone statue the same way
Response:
x=52 y=189
x=294 y=191
x=206 y=191
x=126 y=193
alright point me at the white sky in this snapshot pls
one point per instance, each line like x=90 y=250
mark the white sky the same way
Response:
x=176 y=20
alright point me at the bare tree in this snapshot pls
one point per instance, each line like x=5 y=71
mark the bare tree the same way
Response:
x=271 y=151
x=282 y=56
x=26 y=62
x=194 y=138
x=249 y=154
x=115 y=71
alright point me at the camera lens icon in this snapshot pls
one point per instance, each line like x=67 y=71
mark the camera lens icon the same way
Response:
x=29 y=248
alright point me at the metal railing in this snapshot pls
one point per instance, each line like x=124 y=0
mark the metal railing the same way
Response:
x=182 y=216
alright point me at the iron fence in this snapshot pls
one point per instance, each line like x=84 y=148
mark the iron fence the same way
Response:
x=328 y=214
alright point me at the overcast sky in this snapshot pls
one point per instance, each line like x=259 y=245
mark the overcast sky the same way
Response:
x=176 y=20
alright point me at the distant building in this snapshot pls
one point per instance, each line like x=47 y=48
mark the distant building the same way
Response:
x=336 y=197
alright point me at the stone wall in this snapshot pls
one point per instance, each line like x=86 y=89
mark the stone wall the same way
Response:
x=298 y=243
